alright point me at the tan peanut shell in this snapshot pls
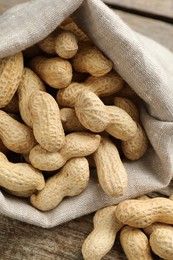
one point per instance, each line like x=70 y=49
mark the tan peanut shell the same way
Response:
x=23 y=194
x=30 y=83
x=121 y=125
x=91 y=111
x=136 y=147
x=13 y=105
x=72 y=27
x=91 y=60
x=70 y=121
x=135 y=244
x=76 y=145
x=142 y=213
x=11 y=69
x=105 y=85
x=129 y=106
x=47 y=126
x=56 y=72
x=101 y=239
x=19 y=177
x=70 y=181
x=3 y=148
x=16 y=136
x=110 y=169
x=48 y=44
x=66 y=45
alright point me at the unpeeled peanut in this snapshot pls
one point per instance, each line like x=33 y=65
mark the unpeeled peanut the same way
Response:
x=91 y=60
x=95 y=116
x=110 y=169
x=76 y=145
x=161 y=239
x=3 y=148
x=70 y=121
x=16 y=136
x=23 y=194
x=30 y=83
x=135 y=244
x=19 y=177
x=47 y=126
x=142 y=213
x=70 y=181
x=105 y=85
x=13 y=105
x=48 y=44
x=101 y=239
x=11 y=69
x=56 y=72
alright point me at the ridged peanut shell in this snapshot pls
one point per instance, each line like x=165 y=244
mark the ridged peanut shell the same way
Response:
x=135 y=244
x=16 y=136
x=13 y=105
x=136 y=147
x=47 y=126
x=91 y=60
x=23 y=194
x=11 y=69
x=70 y=181
x=19 y=177
x=48 y=44
x=110 y=169
x=91 y=111
x=76 y=145
x=72 y=27
x=142 y=213
x=56 y=72
x=100 y=241
x=102 y=86
x=30 y=83
x=121 y=125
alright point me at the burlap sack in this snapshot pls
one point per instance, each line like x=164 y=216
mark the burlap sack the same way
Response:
x=144 y=64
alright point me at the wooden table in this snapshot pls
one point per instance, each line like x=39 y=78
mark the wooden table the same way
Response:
x=26 y=242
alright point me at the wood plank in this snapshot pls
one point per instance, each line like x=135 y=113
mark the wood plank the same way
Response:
x=157 y=7
x=23 y=241
x=157 y=30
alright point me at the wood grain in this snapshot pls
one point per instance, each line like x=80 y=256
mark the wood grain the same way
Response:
x=157 y=7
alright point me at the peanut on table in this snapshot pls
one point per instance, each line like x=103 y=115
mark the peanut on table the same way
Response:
x=65 y=113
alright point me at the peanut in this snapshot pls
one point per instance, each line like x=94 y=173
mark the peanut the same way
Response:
x=23 y=194
x=70 y=121
x=48 y=44
x=56 y=72
x=76 y=145
x=110 y=169
x=91 y=60
x=16 y=136
x=135 y=244
x=47 y=126
x=142 y=213
x=13 y=105
x=19 y=177
x=105 y=85
x=128 y=92
x=129 y=106
x=30 y=83
x=11 y=69
x=70 y=181
x=3 y=148
x=136 y=147
x=101 y=239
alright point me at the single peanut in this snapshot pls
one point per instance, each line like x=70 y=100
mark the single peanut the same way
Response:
x=3 y=148
x=142 y=213
x=76 y=145
x=136 y=147
x=48 y=44
x=161 y=239
x=105 y=85
x=121 y=125
x=23 y=194
x=13 y=105
x=101 y=239
x=56 y=72
x=47 y=126
x=91 y=60
x=70 y=121
x=110 y=169
x=19 y=177
x=30 y=83
x=129 y=106
x=16 y=136
x=11 y=69
x=70 y=181
x=135 y=244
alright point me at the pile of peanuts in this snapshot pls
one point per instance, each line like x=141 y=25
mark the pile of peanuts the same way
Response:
x=64 y=110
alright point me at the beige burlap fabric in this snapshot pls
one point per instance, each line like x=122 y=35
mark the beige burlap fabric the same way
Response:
x=144 y=64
